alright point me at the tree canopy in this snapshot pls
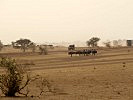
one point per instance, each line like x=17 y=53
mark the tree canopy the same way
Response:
x=93 y=42
x=24 y=43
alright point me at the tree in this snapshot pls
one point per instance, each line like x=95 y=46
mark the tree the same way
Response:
x=120 y=42
x=33 y=47
x=1 y=45
x=12 y=80
x=24 y=43
x=43 y=50
x=115 y=43
x=15 y=45
x=93 y=42
x=88 y=43
x=107 y=44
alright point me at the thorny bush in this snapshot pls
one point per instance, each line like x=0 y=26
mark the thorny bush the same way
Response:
x=12 y=78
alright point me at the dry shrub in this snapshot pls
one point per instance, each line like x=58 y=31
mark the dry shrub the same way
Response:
x=43 y=50
x=16 y=79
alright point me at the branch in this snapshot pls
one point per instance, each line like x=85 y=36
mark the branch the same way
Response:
x=27 y=82
x=24 y=93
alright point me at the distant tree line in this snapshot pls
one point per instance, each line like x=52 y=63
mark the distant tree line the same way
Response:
x=25 y=44
x=114 y=43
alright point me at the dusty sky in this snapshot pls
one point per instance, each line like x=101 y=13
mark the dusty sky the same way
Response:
x=65 y=20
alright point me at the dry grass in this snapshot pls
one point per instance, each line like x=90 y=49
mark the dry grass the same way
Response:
x=106 y=76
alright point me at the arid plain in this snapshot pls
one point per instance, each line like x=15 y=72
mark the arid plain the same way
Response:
x=106 y=76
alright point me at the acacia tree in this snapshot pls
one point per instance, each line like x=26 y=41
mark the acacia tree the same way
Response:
x=93 y=42
x=24 y=43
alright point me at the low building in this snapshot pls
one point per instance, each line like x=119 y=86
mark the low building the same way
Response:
x=129 y=42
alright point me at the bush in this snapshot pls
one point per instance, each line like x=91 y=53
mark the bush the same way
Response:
x=107 y=44
x=11 y=81
x=43 y=50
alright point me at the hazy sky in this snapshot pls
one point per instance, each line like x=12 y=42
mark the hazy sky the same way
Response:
x=65 y=20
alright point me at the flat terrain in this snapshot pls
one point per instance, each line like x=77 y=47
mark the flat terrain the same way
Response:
x=106 y=76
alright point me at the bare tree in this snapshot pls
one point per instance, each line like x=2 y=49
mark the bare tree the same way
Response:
x=107 y=43
x=43 y=50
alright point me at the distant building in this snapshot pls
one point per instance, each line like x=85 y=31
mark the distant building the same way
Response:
x=129 y=42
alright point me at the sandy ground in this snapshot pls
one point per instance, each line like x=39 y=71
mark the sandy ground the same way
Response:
x=100 y=77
